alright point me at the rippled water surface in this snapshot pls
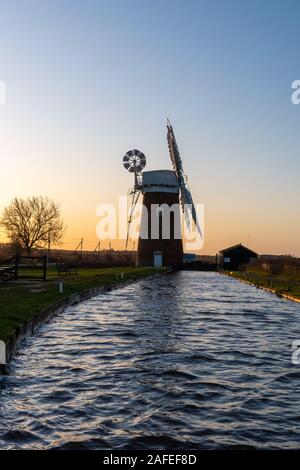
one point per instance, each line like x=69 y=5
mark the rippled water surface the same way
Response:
x=188 y=360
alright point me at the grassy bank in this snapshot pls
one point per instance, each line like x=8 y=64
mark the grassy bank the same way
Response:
x=20 y=300
x=281 y=284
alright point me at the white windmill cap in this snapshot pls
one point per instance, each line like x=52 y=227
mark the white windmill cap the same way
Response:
x=157 y=181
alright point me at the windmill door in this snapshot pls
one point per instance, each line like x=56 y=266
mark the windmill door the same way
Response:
x=158 y=259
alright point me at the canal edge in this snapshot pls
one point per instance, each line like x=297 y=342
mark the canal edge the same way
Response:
x=259 y=286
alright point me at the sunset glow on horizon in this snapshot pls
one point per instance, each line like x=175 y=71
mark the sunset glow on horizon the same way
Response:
x=87 y=81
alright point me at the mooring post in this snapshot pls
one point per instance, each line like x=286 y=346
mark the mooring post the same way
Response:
x=2 y=353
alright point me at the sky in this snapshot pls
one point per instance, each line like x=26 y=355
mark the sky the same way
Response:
x=88 y=80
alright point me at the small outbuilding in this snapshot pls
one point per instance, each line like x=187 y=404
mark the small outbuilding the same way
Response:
x=231 y=258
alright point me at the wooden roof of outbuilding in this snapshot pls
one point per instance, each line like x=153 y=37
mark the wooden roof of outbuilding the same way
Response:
x=238 y=245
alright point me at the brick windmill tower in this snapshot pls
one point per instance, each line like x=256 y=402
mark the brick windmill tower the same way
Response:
x=164 y=192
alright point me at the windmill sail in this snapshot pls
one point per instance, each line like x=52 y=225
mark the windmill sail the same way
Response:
x=185 y=194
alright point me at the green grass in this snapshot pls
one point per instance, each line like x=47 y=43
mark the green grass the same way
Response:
x=281 y=283
x=18 y=303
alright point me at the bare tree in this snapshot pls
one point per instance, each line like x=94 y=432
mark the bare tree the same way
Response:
x=34 y=222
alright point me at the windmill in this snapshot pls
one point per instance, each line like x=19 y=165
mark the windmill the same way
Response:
x=161 y=190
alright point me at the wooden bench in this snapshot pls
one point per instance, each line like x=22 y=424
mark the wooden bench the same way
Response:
x=7 y=273
x=66 y=268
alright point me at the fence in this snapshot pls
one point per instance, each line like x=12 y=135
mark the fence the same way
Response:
x=16 y=267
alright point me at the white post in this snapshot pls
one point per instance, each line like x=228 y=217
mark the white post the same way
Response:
x=2 y=352
x=61 y=287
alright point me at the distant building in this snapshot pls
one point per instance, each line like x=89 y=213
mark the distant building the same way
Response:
x=231 y=258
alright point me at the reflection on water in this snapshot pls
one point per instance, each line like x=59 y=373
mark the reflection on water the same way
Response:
x=189 y=360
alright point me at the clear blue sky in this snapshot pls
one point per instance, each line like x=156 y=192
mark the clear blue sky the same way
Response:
x=88 y=80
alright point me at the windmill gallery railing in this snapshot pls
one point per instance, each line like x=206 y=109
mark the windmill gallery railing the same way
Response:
x=23 y=267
